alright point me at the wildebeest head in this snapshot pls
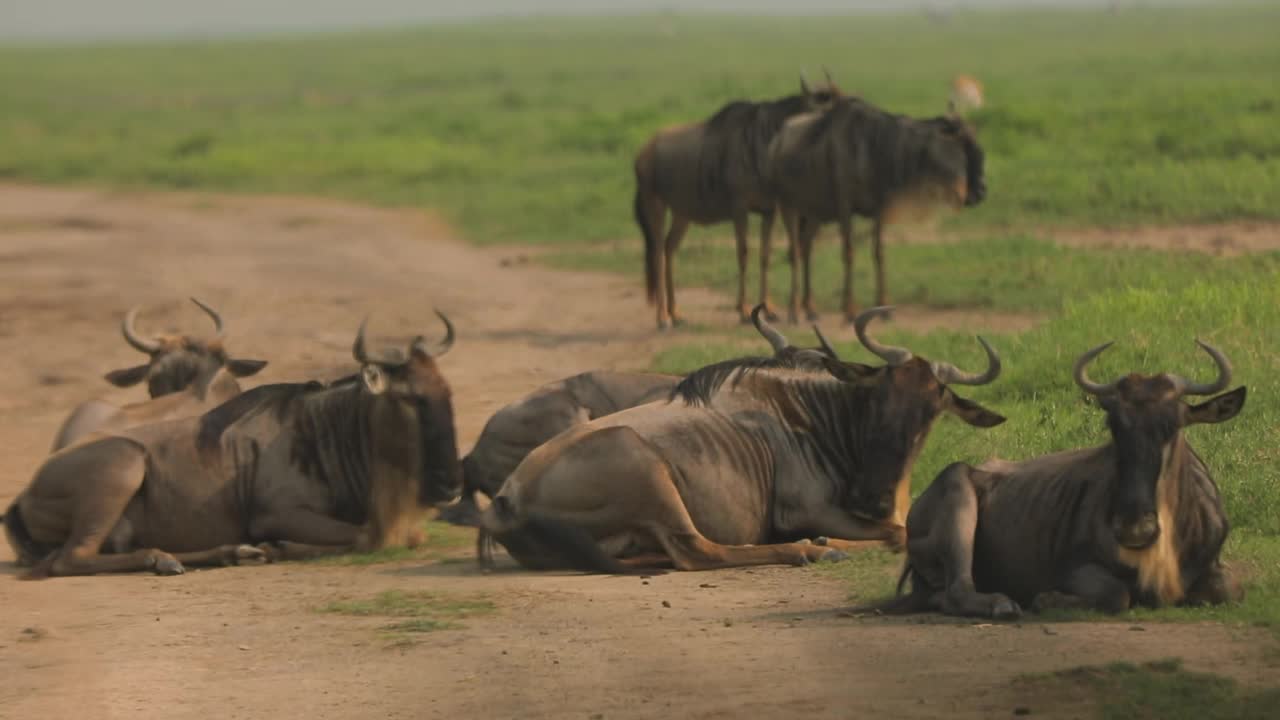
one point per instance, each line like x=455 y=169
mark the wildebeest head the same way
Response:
x=899 y=403
x=415 y=385
x=177 y=361
x=1145 y=414
x=955 y=153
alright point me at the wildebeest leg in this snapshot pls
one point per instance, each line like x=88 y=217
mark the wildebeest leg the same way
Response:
x=1088 y=587
x=766 y=253
x=740 y=227
x=846 y=532
x=300 y=525
x=679 y=225
x=877 y=251
x=808 y=233
x=286 y=550
x=846 y=259
x=93 y=489
x=1214 y=587
x=941 y=526
x=221 y=556
x=791 y=223
x=653 y=560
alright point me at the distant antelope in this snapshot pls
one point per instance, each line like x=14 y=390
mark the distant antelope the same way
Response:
x=966 y=94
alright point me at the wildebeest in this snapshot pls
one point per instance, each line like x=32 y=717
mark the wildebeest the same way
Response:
x=753 y=460
x=180 y=365
x=515 y=430
x=1136 y=521
x=296 y=468
x=856 y=159
x=711 y=172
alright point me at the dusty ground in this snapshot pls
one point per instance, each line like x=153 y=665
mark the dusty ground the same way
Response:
x=293 y=278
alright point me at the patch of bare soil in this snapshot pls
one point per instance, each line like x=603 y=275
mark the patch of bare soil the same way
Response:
x=293 y=277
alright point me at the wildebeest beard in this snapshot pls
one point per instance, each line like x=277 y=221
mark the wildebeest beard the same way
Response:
x=440 y=472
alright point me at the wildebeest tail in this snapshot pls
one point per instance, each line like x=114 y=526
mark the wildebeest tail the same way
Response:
x=651 y=240
x=25 y=547
x=915 y=601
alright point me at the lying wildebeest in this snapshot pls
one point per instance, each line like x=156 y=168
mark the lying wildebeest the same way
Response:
x=709 y=172
x=179 y=365
x=855 y=159
x=1136 y=521
x=752 y=456
x=311 y=468
x=515 y=430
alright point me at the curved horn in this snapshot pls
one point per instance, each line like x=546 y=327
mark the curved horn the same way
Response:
x=949 y=374
x=826 y=346
x=775 y=338
x=1186 y=387
x=827 y=73
x=218 y=327
x=131 y=335
x=1082 y=377
x=358 y=349
x=449 y=336
x=893 y=355
x=804 y=84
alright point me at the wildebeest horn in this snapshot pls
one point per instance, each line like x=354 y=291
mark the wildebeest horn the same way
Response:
x=357 y=350
x=1082 y=377
x=949 y=374
x=131 y=335
x=775 y=338
x=804 y=84
x=449 y=337
x=827 y=73
x=1186 y=387
x=217 y=319
x=826 y=346
x=895 y=356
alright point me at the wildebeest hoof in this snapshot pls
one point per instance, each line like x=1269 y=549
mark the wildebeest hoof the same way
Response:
x=833 y=555
x=811 y=315
x=1005 y=609
x=820 y=540
x=241 y=553
x=806 y=541
x=166 y=564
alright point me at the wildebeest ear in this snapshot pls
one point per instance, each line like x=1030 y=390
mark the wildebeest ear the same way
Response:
x=846 y=372
x=374 y=379
x=128 y=376
x=973 y=413
x=245 y=368
x=1219 y=409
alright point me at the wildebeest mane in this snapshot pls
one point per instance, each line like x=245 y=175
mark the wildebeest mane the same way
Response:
x=276 y=396
x=698 y=386
x=738 y=136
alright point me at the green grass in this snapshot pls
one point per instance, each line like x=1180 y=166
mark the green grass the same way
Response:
x=1154 y=329
x=525 y=130
x=1160 y=690
x=416 y=612
x=1014 y=273
x=442 y=538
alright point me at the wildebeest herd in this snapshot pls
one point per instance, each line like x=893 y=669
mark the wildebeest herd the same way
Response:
x=793 y=457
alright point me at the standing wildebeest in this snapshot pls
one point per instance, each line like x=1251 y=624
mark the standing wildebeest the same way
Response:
x=709 y=172
x=855 y=159
x=1136 y=521
x=178 y=364
x=314 y=468
x=515 y=430
x=753 y=456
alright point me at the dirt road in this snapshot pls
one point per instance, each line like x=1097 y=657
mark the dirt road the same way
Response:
x=293 y=277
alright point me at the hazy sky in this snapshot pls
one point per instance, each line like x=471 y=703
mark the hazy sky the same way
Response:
x=66 y=19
